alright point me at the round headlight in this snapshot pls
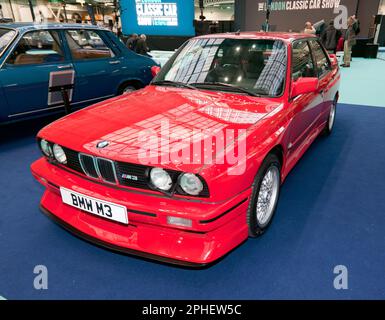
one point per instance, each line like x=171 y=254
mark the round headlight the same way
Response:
x=59 y=154
x=191 y=184
x=46 y=148
x=161 y=179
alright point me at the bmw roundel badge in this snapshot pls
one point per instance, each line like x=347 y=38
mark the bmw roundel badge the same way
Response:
x=102 y=144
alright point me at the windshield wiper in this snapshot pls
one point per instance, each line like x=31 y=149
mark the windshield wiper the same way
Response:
x=174 y=84
x=227 y=85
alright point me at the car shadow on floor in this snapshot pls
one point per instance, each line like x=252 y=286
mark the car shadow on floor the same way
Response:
x=24 y=129
x=308 y=186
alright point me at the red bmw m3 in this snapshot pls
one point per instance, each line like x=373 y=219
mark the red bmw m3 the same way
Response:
x=186 y=169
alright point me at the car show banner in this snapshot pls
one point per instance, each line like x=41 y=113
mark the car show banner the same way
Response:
x=289 y=15
x=299 y=5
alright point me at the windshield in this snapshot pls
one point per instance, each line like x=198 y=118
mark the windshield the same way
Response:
x=6 y=36
x=258 y=66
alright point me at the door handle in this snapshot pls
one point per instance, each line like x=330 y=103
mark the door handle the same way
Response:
x=65 y=66
x=115 y=62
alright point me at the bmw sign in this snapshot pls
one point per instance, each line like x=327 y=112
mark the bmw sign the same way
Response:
x=102 y=144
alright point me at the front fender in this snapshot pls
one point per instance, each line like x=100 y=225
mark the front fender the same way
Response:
x=226 y=180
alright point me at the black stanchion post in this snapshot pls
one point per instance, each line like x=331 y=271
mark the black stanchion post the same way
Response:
x=66 y=100
x=32 y=12
x=268 y=10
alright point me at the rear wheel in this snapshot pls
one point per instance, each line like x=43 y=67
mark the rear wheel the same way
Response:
x=129 y=87
x=331 y=120
x=264 y=197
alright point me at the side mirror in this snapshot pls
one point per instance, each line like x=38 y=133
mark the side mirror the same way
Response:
x=333 y=60
x=155 y=70
x=303 y=86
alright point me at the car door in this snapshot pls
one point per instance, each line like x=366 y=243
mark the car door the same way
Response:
x=325 y=75
x=26 y=72
x=6 y=38
x=304 y=108
x=96 y=65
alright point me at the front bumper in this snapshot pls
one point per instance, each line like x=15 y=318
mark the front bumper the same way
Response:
x=217 y=228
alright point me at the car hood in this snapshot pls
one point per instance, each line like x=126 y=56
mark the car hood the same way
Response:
x=159 y=123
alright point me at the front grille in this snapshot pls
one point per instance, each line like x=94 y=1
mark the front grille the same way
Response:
x=88 y=165
x=122 y=173
x=106 y=170
x=73 y=160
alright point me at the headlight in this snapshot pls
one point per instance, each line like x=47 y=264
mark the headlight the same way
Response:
x=46 y=148
x=191 y=184
x=161 y=179
x=59 y=154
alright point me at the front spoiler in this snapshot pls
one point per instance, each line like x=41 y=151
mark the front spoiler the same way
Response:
x=145 y=236
x=112 y=247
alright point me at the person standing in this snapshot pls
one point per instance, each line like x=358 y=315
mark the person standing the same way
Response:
x=309 y=29
x=350 y=40
x=1 y=12
x=356 y=25
x=41 y=16
x=330 y=37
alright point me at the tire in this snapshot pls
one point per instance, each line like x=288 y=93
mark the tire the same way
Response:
x=257 y=222
x=331 y=120
x=127 y=88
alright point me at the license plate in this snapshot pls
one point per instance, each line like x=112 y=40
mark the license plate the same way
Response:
x=95 y=206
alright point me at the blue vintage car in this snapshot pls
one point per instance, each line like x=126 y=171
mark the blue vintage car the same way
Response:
x=89 y=62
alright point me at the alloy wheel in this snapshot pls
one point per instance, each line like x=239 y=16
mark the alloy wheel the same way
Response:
x=267 y=196
x=332 y=116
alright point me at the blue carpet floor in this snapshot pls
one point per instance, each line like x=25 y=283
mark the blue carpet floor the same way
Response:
x=332 y=212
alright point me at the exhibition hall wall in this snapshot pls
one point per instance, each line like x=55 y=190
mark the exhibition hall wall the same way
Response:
x=382 y=7
x=251 y=14
x=223 y=13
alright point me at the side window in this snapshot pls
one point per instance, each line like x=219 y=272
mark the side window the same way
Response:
x=302 y=62
x=87 y=44
x=37 y=47
x=320 y=58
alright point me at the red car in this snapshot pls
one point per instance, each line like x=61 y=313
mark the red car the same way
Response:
x=186 y=169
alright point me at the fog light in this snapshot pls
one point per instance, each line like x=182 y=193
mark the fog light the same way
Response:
x=179 y=221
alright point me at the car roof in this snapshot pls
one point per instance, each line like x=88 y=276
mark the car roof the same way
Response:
x=28 y=26
x=284 y=36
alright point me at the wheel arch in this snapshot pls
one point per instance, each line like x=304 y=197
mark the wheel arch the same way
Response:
x=337 y=96
x=279 y=152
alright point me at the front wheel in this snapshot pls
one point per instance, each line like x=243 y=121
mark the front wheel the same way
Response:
x=264 y=197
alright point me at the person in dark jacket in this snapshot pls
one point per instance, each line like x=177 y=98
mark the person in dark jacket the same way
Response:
x=141 y=45
x=330 y=37
x=131 y=42
x=356 y=25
